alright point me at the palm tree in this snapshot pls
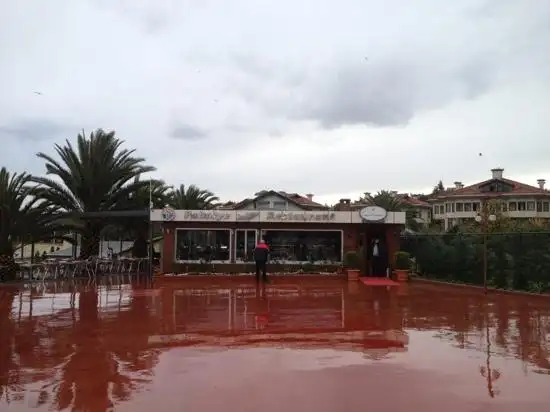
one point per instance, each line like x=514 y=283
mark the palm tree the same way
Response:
x=96 y=176
x=392 y=203
x=23 y=217
x=158 y=194
x=192 y=198
x=386 y=200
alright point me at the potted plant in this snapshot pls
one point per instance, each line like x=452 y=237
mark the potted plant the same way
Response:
x=401 y=266
x=352 y=263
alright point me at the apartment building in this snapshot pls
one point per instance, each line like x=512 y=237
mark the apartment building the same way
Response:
x=420 y=210
x=518 y=200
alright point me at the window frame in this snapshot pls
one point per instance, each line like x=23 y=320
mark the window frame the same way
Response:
x=201 y=229
x=287 y=262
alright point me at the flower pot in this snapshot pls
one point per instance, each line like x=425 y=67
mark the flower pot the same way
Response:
x=353 y=274
x=401 y=275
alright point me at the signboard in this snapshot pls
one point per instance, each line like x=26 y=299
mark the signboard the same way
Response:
x=248 y=216
x=373 y=214
x=168 y=214
x=300 y=217
x=208 y=216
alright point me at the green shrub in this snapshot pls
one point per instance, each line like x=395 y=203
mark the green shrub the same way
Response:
x=402 y=260
x=352 y=260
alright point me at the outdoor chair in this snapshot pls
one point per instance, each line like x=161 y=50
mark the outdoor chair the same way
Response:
x=50 y=269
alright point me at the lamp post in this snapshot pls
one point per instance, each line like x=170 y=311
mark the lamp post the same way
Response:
x=484 y=219
x=150 y=234
x=490 y=374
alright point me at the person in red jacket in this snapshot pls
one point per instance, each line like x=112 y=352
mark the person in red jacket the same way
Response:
x=261 y=256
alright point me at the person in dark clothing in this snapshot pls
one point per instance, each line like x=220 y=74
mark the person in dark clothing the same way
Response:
x=261 y=256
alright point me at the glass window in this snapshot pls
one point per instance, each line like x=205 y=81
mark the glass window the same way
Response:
x=436 y=210
x=304 y=246
x=512 y=206
x=475 y=206
x=447 y=207
x=546 y=207
x=530 y=205
x=198 y=245
x=245 y=243
x=467 y=207
x=459 y=207
x=522 y=206
x=263 y=204
x=279 y=205
x=539 y=206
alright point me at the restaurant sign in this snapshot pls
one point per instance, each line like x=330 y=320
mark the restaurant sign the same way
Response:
x=300 y=217
x=249 y=216
x=373 y=214
x=208 y=216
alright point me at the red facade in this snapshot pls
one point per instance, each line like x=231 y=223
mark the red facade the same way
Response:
x=355 y=236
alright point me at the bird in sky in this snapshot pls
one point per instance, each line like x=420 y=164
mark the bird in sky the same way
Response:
x=38 y=93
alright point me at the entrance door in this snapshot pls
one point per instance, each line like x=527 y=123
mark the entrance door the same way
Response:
x=376 y=250
x=244 y=244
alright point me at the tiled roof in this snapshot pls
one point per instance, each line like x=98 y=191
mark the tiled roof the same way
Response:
x=403 y=197
x=413 y=201
x=475 y=190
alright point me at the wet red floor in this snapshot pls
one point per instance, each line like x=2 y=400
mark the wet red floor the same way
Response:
x=297 y=345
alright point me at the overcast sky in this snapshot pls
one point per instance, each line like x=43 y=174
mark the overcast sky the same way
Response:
x=329 y=97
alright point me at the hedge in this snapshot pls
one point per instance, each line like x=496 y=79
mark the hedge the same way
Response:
x=519 y=261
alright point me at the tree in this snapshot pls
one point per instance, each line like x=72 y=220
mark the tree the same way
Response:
x=155 y=195
x=96 y=176
x=438 y=188
x=23 y=217
x=392 y=203
x=192 y=198
x=386 y=200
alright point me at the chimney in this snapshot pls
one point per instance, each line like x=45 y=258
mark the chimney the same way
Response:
x=309 y=197
x=497 y=173
x=541 y=183
x=458 y=185
x=343 y=205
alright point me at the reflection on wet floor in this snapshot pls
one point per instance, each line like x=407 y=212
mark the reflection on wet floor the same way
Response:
x=324 y=345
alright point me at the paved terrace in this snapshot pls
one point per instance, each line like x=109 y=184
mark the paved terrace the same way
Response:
x=294 y=345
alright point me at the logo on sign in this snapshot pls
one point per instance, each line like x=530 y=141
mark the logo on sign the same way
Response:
x=168 y=214
x=373 y=213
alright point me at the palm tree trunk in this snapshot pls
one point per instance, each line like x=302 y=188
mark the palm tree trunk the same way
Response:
x=90 y=239
x=8 y=267
x=139 y=248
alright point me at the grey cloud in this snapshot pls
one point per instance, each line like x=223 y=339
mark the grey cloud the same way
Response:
x=35 y=129
x=187 y=132
x=386 y=93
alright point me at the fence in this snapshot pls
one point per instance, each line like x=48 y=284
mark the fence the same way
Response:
x=514 y=260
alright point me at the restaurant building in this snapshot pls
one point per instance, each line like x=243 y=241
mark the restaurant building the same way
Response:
x=298 y=233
